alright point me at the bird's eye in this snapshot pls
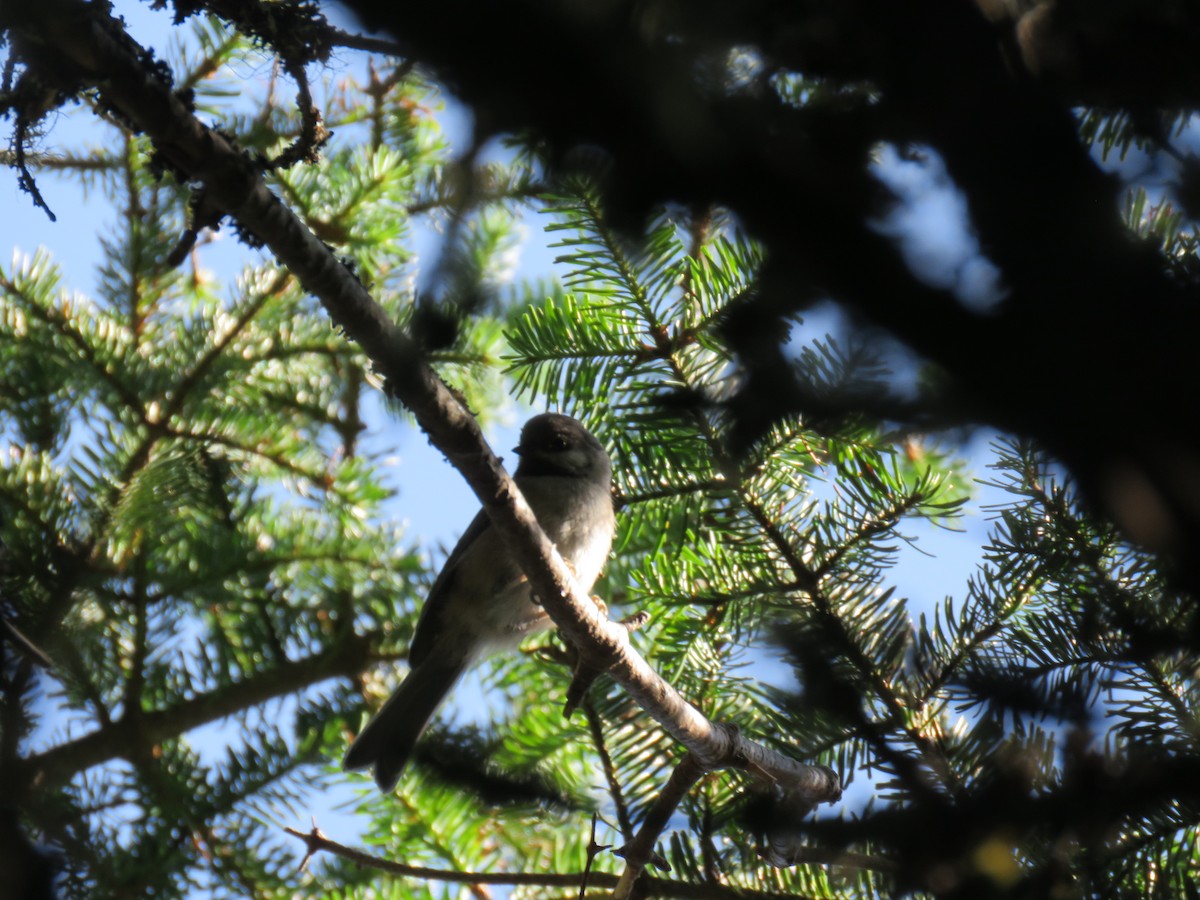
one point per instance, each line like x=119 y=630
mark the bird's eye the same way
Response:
x=557 y=444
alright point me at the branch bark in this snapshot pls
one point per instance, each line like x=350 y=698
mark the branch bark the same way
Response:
x=640 y=851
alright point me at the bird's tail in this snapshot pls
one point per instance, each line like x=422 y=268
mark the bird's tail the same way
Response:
x=388 y=740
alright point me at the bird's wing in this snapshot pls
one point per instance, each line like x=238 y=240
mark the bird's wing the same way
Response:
x=428 y=625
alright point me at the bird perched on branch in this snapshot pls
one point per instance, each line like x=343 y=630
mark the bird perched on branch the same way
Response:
x=481 y=601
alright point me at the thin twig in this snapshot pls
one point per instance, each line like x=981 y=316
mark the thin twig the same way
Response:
x=594 y=849
x=316 y=842
x=624 y=822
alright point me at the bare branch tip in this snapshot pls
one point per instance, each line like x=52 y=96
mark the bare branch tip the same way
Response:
x=314 y=842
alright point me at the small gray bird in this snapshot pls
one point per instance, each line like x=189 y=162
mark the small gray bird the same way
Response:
x=480 y=601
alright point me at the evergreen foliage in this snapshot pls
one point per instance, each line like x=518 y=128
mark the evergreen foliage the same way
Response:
x=199 y=534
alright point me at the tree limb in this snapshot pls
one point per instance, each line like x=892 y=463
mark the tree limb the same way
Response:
x=136 y=731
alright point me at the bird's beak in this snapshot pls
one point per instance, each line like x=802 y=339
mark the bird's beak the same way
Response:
x=517 y=450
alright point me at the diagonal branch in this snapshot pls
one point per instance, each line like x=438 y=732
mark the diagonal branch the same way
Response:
x=640 y=850
x=67 y=36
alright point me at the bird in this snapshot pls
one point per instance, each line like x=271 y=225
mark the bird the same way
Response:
x=480 y=601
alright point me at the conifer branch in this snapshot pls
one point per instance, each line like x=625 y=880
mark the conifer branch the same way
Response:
x=673 y=490
x=137 y=731
x=182 y=391
x=72 y=669
x=62 y=325
x=872 y=527
x=86 y=42
x=277 y=458
x=60 y=161
x=805 y=577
